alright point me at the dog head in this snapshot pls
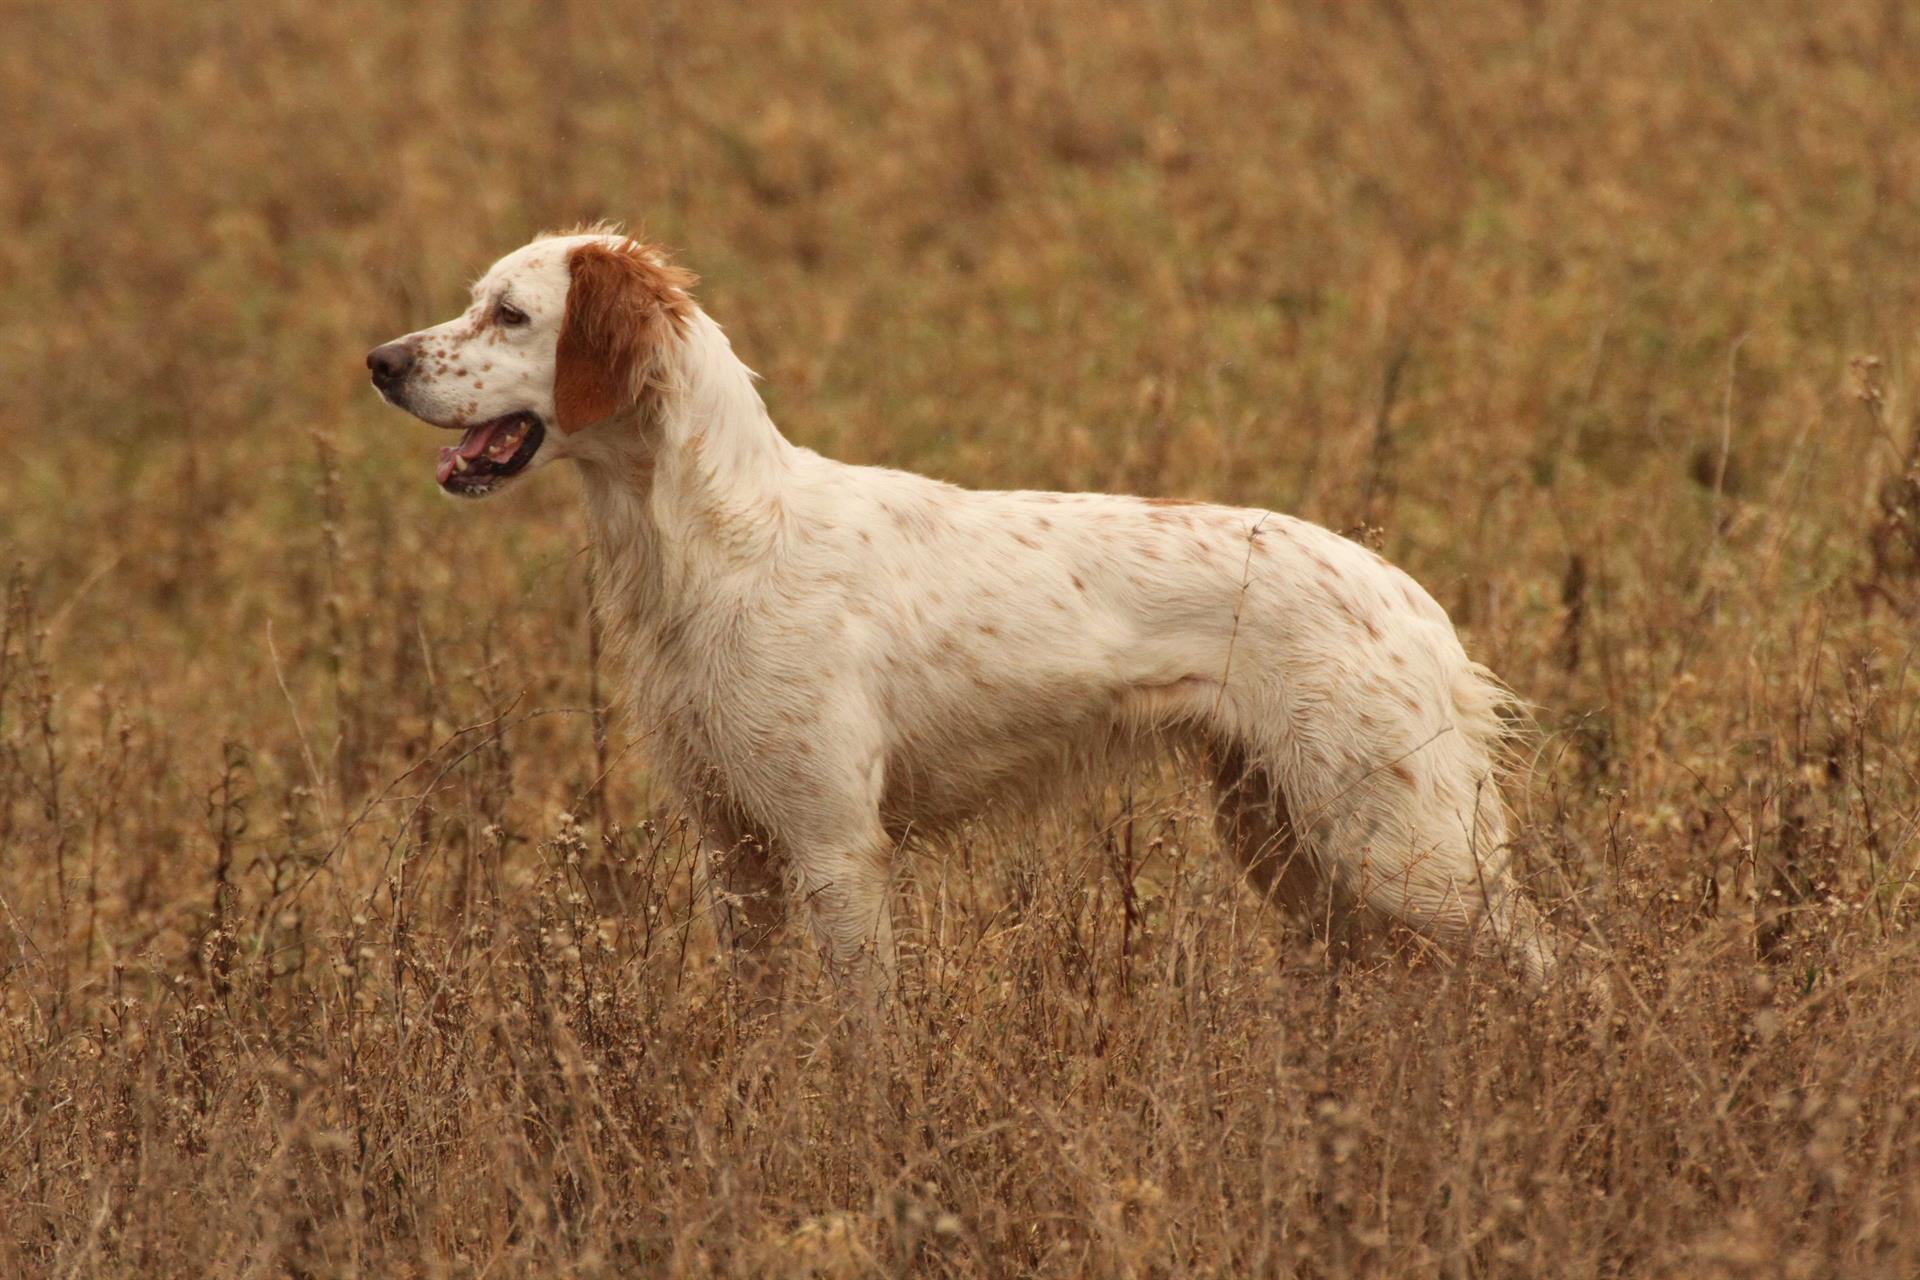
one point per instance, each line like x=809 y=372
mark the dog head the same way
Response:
x=563 y=335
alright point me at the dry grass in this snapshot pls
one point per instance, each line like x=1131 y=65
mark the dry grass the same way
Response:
x=323 y=951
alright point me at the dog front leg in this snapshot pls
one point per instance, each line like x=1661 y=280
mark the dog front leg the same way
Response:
x=740 y=869
x=845 y=893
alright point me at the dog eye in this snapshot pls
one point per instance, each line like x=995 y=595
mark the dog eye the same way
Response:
x=512 y=317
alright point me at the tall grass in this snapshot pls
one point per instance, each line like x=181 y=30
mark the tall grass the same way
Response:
x=342 y=931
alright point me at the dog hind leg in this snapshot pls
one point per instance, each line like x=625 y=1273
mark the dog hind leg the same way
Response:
x=1254 y=823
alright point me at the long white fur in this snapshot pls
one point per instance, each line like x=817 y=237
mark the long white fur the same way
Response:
x=838 y=657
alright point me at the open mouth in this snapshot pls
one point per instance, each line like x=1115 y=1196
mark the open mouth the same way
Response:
x=489 y=453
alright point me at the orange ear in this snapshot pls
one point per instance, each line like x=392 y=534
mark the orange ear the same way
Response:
x=622 y=306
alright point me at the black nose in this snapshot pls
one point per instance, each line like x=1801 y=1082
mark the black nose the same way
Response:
x=390 y=364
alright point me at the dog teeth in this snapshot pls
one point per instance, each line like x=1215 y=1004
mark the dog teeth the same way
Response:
x=459 y=463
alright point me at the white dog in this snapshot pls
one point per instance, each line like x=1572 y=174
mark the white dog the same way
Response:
x=841 y=657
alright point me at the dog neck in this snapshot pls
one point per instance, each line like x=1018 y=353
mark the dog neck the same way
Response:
x=689 y=485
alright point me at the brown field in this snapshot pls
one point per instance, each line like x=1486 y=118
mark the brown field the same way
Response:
x=341 y=934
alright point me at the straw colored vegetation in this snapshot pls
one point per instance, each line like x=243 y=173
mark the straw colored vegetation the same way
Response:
x=342 y=934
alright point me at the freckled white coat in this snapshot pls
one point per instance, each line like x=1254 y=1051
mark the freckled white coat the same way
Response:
x=834 y=658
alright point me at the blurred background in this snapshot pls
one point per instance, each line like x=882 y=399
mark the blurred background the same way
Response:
x=1600 y=319
x=1505 y=285
x=1525 y=284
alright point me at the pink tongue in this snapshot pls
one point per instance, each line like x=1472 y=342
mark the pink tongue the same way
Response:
x=471 y=446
